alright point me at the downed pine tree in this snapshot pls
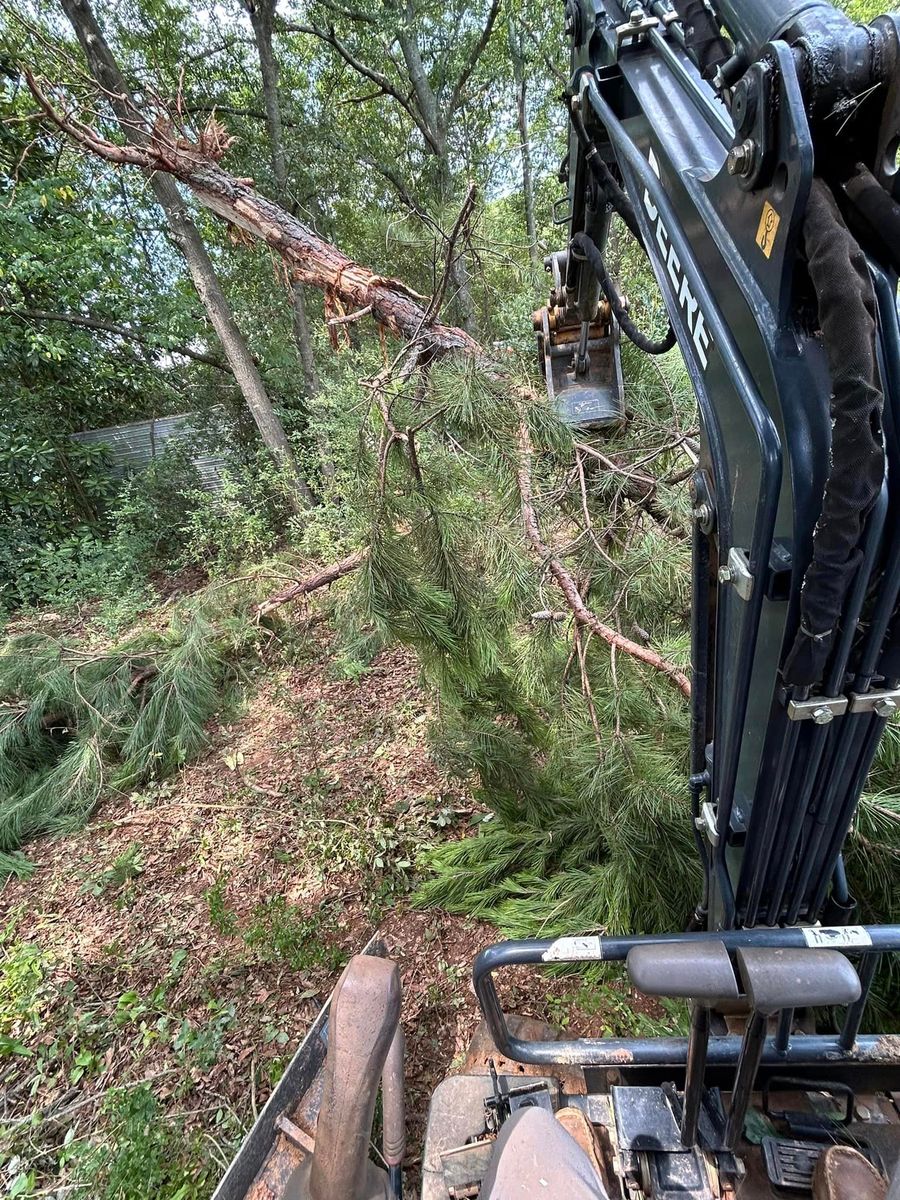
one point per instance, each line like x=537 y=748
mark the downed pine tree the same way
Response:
x=313 y=261
x=469 y=510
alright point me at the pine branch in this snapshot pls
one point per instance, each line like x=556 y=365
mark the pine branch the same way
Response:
x=567 y=585
x=312 y=583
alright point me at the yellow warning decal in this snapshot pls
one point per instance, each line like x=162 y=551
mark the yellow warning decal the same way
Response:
x=768 y=228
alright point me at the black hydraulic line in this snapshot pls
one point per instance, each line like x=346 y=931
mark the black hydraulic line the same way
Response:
x=589 y=250
x=858 y=749
x=845 y=816
x=847 y=315
x=699 y=778
x=606 y=181
x=823 y=788
x=889 y=594
x=757 y=858
x=878 y=214
x=804 y=790
x=840 y=889
x=703 y=38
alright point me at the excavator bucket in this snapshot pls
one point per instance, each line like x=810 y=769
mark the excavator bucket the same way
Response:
x=580 y=361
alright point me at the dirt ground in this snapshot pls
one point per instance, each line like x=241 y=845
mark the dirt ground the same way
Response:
x=190 y=933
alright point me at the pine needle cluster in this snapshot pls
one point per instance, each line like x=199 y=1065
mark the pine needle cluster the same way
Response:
x=79 y=724
x=578 y=755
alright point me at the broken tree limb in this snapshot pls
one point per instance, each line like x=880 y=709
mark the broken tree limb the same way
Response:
x=312 y=583
x=567 y=585
x=309 y=258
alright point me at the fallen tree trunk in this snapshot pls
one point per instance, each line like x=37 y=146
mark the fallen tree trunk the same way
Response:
x=312 y=260
x=309 y=258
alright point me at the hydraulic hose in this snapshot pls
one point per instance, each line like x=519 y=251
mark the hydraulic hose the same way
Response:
x=606 y=181
x=703 y=38
x=846 y=305
x=588 y=248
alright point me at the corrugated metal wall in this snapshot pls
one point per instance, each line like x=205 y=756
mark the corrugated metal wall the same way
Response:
x=134 y=446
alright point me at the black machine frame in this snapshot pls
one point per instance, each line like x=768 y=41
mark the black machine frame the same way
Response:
x=709 y=150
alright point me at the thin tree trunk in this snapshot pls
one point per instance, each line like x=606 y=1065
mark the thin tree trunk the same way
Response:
x=105 y=70
x=262 y=15
x=428 y=108
x=518 y=67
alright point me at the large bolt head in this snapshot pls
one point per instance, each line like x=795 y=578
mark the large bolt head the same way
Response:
x=885 y=707
x=740 y=158
x=822 y=715
x=725 y=574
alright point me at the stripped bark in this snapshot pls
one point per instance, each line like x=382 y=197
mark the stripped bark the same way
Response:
x=312 y=583
x=309 y=258
x=569 y=588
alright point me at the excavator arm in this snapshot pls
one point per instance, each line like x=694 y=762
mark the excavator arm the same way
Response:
x=751 y=150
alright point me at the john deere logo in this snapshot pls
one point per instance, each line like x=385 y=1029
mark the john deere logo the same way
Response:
x=768 y=228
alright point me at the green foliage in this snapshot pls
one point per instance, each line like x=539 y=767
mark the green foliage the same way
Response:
x=279 y=931
x=285 y=932
x=49 y=495
x=126 y=867
x=145 y=1156
x=74 y=723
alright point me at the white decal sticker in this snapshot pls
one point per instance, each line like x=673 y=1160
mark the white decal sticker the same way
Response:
x=573 y=949
x=838 y=936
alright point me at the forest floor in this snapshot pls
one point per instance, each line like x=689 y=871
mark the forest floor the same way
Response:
x=161 y=966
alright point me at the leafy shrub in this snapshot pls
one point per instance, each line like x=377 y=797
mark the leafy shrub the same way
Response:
x=49 y=497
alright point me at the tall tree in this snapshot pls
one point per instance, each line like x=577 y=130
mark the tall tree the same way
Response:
x=515 y=39
x=105 y=69
x=428 y=80
x=262 y=15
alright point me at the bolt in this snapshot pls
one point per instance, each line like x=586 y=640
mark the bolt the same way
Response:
x=741 y=158
x=636 y=16
x=725 y=574
x=885 y=707
x=822 y=715
x=703 y=514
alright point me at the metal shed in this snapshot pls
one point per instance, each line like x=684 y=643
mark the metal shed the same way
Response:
x=133 y=447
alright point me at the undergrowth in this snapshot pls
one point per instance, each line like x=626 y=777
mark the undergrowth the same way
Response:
x=79 y=723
